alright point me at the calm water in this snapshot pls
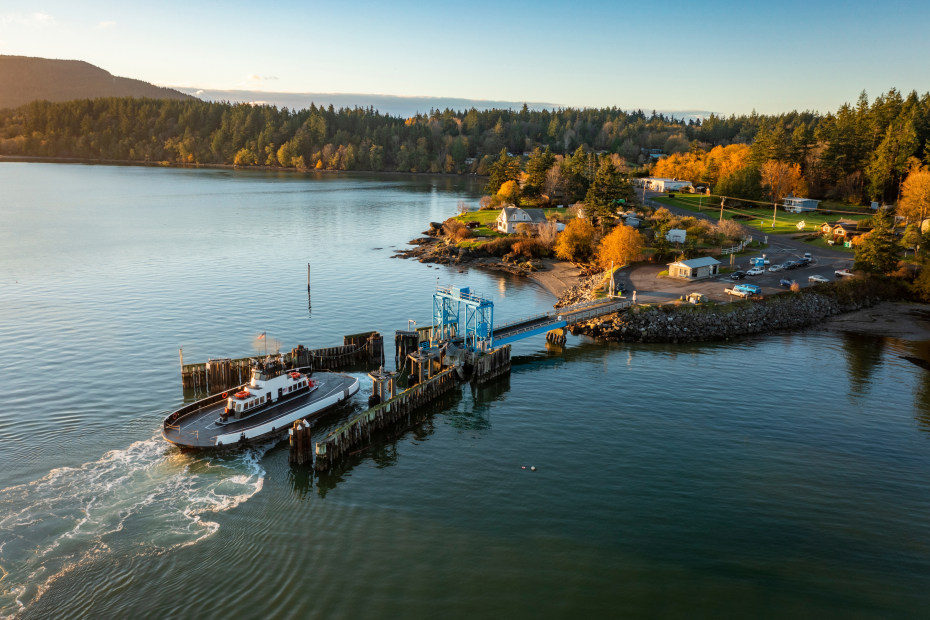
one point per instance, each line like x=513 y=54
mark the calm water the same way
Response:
x=774 y=476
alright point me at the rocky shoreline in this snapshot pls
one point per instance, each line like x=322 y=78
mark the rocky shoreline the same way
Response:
x=436 y=250
x=672 y=323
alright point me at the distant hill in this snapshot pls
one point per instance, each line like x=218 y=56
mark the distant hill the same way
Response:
x=393 y=105
x=24 y=79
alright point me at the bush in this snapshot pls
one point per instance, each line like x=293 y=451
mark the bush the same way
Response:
x=455 y=230
x=530 y=248
x=500 y=246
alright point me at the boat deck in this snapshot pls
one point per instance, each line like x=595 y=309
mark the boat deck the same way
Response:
x=198 y=429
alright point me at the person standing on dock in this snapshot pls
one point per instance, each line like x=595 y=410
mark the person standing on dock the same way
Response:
x=634 y=297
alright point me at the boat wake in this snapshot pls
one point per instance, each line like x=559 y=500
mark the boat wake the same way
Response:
x=146 y=499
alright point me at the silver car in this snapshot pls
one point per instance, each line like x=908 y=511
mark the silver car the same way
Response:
x=774 y=268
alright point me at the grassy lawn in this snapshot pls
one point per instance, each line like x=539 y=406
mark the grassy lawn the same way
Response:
x=487 y=220
x=785 y=222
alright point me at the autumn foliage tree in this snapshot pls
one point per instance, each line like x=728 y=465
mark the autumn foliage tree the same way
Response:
x=576 y=242
x=915 y=196
x=781 y=179
x=622 y=246
x=509 y=192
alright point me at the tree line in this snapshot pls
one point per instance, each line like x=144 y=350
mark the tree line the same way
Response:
x=859 y=152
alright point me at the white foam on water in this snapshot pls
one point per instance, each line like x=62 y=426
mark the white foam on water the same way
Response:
x=146 y=499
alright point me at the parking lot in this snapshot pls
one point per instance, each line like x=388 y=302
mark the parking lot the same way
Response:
x=652 y=288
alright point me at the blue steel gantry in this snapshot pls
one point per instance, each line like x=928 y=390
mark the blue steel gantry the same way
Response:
x=479 y=317
x=480 y=332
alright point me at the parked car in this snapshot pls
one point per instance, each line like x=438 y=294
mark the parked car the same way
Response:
x=808 y=256
x=843 y=273
x=755 y=271
x=817 y=279
x=804 y=262
x=737 y=275
x=789 y=264
x=786 y=282
x=750 y=288
x=774 y=268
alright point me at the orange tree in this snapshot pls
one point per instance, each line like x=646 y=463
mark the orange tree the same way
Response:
x=576 y=242
x=621 y=246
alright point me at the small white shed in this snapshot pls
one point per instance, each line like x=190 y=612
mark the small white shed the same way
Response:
x=676 y=235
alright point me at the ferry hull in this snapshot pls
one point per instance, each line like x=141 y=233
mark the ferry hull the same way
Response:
x=194 y=427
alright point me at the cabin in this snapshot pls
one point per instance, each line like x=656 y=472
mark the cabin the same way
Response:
x=797 y=205
x=509 y=217
x=676 y=235
x=694 y=268
x=842 y=231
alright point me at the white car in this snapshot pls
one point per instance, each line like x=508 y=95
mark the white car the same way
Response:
x=776 y=268
x=844 y=273
x=755 y=271
x=817 y=279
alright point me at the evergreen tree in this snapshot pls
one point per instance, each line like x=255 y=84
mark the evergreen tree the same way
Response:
x=877 y=252
x=606 y=189
x=537 y=166
x=506 y=168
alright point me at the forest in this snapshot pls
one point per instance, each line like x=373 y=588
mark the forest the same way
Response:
x=861 y=152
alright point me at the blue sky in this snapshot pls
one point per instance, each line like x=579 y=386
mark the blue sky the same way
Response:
x=723 y=56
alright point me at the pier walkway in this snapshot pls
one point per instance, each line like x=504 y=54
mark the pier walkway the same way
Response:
x=557 y=319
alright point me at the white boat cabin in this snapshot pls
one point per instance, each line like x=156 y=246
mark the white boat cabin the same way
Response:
x=269 y=383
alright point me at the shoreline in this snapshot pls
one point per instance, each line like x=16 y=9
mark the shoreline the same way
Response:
x=92 y=161
x=904 y=320
x=558 y=276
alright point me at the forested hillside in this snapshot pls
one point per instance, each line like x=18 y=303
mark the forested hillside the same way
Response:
x=24 y=79
x=859 y=152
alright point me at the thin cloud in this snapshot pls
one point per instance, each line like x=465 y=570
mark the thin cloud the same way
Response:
x=261 y=78
x=26 y=19
x=105 y=24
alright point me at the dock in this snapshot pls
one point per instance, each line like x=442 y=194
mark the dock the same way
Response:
x=462 y=344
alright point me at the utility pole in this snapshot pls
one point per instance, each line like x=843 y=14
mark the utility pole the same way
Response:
x=723 y=199
x=774 y=211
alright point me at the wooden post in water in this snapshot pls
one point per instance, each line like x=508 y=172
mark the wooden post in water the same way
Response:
x=309 y=301
x=301 y=448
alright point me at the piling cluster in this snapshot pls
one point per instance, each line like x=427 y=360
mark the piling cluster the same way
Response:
x=407 y=408
x=301 y=448
x=401 y=412
x=221 y=374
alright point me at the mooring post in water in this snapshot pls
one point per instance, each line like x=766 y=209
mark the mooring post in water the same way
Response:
x=309 y=301
x=301 y=448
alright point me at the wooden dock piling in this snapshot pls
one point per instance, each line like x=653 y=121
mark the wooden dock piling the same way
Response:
x=221 y=374
x=405 y=343
x=301 y=448
x=492 y=365
x=402 y=411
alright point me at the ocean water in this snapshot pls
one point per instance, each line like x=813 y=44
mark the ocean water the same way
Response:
x=770 y=476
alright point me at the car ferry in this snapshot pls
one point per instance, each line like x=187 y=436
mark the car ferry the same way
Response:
x=265 y=407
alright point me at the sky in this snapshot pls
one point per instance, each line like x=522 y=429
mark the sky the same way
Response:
x=725 y=56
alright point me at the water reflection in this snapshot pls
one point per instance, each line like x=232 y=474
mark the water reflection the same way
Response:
x=918 y=354
x=863 y=356
x=384 y=450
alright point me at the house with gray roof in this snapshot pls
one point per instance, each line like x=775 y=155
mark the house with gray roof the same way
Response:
x=694 y=268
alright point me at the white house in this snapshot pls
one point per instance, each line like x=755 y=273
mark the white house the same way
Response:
x=509 y=217
x=796 y=205
x=694 y=268
x=676 y=235
x=661 y=184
